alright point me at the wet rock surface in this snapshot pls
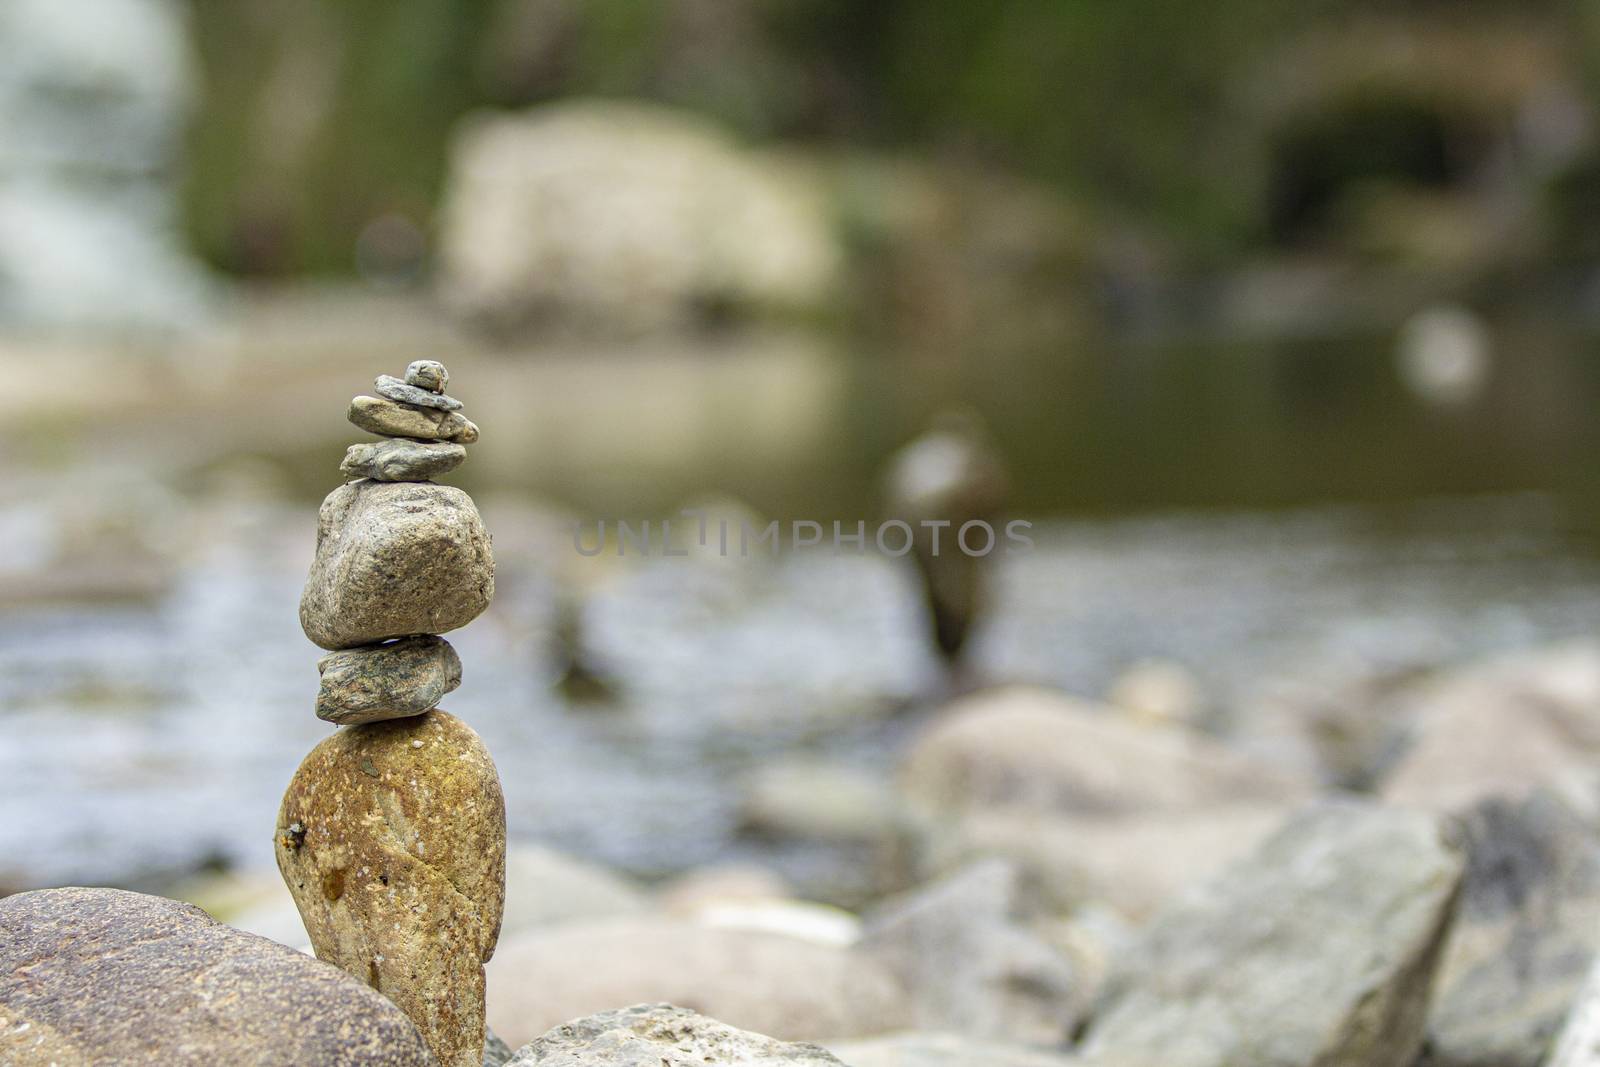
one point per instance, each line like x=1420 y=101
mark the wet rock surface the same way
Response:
x=392 y=841
x=661 y=1035
x=388 y=681
x=395 y=559
x=402 y=460
x=102 y=976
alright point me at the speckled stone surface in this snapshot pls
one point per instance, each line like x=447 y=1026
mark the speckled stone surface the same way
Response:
x=395 y=559
x=400 y=459
x=103 y=976
x=392 y=839
x=388 y=681
x=386 y=418
x=662 y=1035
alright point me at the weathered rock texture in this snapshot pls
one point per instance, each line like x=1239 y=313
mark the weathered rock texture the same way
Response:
x=401 y=460
x=392 y=839
x=388 y=681
x=102 y=976
x=395 y=559
x=660 y=1035
x=1317 y=951
x=1527 y=927
x=770 y=983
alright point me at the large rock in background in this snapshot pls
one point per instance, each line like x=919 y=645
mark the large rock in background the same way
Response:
x=1527 y=928
x=625 y=216
x=926 y=1049
x=104 y=976
x=1502 y=727
x=1091 y=805
x=968 y=962
x=1319 y=950
x=661 y=1035
x=93 y=99
x=769 y=983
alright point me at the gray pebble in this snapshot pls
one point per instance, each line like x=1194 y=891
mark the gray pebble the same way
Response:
x=389 y=681
x=398 y=391
x=401 y=460
x=428 y=374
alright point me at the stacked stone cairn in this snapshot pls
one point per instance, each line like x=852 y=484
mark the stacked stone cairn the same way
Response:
x=392 y=834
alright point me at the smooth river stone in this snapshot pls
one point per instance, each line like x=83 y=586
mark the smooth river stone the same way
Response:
x=392 y=840
x=402 y=460
x=390 y=681
x=395 y=559
x=428 y=374
x=104 y=976
x=402 y=393
x=386 y=418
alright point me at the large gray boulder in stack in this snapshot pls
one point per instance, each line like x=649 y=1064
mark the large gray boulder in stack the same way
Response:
x=395 y=559
x=660 y=1035
x=94 y=97
x=102 y=976
x=967 y=962
x=1317 y=951
x=1527 y=928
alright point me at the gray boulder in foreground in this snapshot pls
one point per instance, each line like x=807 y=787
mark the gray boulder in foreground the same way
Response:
x=1319 y=950
x=661 y=1035
x=102 y=976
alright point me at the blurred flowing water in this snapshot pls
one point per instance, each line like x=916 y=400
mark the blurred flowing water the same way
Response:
x=142 y=739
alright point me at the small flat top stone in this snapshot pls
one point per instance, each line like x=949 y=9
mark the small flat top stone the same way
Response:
x=402 y=393
x=101 y=976
x=428 y=374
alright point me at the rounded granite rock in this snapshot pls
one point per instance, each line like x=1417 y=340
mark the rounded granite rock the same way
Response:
x=395 y=559
x=392 y=840
x=104 y=976
x=663 y=1035
x=388 y=681
x=401 y=460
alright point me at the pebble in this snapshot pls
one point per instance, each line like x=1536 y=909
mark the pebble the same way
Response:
x=386 y=418
x=428 y=374
x=398 y=868
x=395 y=559
x=401 y=460
x=400 y=392
x=390 y=681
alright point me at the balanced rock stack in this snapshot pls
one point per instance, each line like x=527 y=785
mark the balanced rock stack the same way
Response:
x=392 y=833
